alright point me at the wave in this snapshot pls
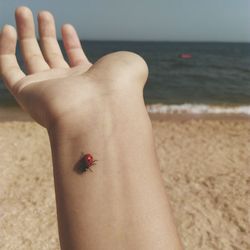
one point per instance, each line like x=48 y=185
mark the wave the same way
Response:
x=198 y=109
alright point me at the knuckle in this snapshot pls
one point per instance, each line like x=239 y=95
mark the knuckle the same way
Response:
x=54 y=57
x=32 y=57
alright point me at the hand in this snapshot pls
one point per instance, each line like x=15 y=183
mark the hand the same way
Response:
x=54 y=90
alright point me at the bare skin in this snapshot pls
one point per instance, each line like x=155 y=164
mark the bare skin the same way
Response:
x=98 y=109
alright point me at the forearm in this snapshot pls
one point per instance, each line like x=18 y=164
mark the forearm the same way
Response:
x=121 y=204
x=91 y=108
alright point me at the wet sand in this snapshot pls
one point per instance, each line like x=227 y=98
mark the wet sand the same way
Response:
x=205 y=164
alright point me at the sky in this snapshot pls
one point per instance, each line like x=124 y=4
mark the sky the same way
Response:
x=147 y=20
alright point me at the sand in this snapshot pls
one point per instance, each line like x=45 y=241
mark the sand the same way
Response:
x=205 y=164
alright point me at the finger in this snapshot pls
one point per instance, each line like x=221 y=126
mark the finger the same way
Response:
x=50 y=47
x=31 y=52
x=73 y=47
x=9 y=68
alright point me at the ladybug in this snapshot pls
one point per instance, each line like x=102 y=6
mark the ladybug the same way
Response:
x=86 y=162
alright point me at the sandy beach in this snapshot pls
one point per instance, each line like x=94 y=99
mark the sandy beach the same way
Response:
x=205 y=164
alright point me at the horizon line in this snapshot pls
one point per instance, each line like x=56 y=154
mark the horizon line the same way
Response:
x=158 y=41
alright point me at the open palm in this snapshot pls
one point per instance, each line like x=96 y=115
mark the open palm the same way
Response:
x=53 y=88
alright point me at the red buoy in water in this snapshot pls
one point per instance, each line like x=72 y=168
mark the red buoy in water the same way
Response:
x=185 y=56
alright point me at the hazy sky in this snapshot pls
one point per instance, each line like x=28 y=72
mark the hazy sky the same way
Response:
x=168 y=20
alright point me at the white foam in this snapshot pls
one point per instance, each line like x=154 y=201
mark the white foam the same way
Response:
x=197 y=109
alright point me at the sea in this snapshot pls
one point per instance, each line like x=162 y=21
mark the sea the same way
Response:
x=215 y=80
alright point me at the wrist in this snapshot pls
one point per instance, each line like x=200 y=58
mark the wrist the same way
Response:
x=105 y=117
x=75 y=125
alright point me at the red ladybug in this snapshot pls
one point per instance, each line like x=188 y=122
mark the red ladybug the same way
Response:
x=87 y=162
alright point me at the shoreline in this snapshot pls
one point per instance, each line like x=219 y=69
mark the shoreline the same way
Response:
x=8 y=114
x=206 y=117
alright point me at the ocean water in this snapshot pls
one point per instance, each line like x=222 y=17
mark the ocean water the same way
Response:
x=215 y=80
